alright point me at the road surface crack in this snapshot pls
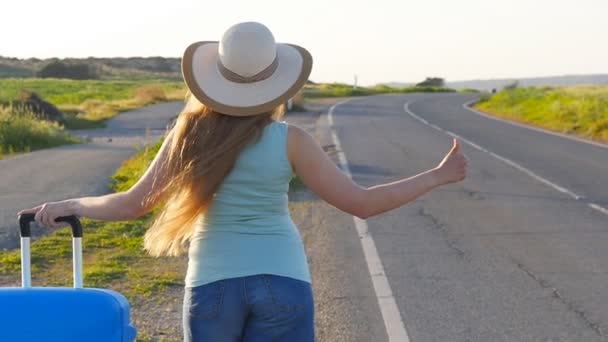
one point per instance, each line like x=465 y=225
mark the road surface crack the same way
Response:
x=557 y=295
x=440 y=226
x=475 y=194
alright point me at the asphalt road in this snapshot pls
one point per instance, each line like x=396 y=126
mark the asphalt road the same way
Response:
x=75 y=170
x=501 y=256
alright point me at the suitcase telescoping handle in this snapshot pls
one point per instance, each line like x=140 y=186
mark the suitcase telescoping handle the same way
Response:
x=24 y=226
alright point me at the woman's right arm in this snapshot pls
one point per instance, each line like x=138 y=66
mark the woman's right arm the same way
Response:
x=323 y=177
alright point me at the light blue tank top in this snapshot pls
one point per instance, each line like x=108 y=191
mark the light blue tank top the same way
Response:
x=247 y=229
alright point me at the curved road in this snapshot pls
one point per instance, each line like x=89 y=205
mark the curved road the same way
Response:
x=75 y=170
x=516 y=252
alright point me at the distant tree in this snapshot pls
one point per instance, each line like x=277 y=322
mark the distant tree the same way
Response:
x=432 y=82
x=512 y=85
x=159 y=64
x=53 y=69
x=76 y=71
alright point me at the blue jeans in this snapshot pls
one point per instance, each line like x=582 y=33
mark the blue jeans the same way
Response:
x=255 y=308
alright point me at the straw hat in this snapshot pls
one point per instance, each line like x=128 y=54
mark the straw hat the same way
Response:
x=246 y=73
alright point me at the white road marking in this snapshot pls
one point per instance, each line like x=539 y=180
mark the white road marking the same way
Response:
x=395 y=328
x=510 y=162
x=599 y=208
x=538 y=129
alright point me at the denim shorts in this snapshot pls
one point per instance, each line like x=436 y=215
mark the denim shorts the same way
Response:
x=261 y=307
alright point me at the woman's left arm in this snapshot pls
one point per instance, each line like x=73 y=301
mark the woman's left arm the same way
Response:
x=120 y=206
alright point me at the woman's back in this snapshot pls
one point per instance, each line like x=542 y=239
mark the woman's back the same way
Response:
x=256 y=188
x=247 y=229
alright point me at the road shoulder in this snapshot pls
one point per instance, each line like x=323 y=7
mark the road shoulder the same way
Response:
x=346 y=305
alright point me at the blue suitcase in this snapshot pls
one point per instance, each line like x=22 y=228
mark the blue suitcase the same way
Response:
x=49 y=314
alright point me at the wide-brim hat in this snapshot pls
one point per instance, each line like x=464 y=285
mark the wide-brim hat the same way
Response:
x=246 y=73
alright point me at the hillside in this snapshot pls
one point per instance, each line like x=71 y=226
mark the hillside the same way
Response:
x=106 y=68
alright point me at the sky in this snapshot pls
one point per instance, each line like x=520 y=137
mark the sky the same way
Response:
x=379 y=41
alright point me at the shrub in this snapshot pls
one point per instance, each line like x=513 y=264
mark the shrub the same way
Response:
x=432 y=82
x=75 y=71
x=512 y=85
x=98 y=109
x=23 y=132
x=150 y=94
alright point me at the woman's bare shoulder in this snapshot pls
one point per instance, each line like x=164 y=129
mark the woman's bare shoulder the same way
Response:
x=299 y=141
x=297 y=132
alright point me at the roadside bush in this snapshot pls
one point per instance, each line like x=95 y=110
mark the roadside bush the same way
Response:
x=23 y=132
x=98 y=109
x=432 y=82
x=150 y=94
x=75 y=71
x=469 y=91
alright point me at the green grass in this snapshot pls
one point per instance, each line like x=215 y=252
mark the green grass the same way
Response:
x=132 y=169
x=75 y=92
x=345 y=90
x=89 y=102
x=469 y=91
x=578 y=110
x=22 y=132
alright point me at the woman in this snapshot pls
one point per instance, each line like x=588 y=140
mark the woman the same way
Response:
x=222 y=176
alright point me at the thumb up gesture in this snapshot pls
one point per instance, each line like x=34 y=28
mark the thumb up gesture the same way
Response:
x=453 y=167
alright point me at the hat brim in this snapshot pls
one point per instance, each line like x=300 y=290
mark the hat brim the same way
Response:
x=203 y=78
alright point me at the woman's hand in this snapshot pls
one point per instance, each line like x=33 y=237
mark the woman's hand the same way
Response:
x=453 y=167
x=48 y=212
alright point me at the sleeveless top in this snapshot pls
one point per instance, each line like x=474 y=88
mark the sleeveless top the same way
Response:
x=247 y=229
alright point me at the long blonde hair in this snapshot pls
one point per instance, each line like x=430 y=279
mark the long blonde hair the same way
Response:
x=203 y=150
